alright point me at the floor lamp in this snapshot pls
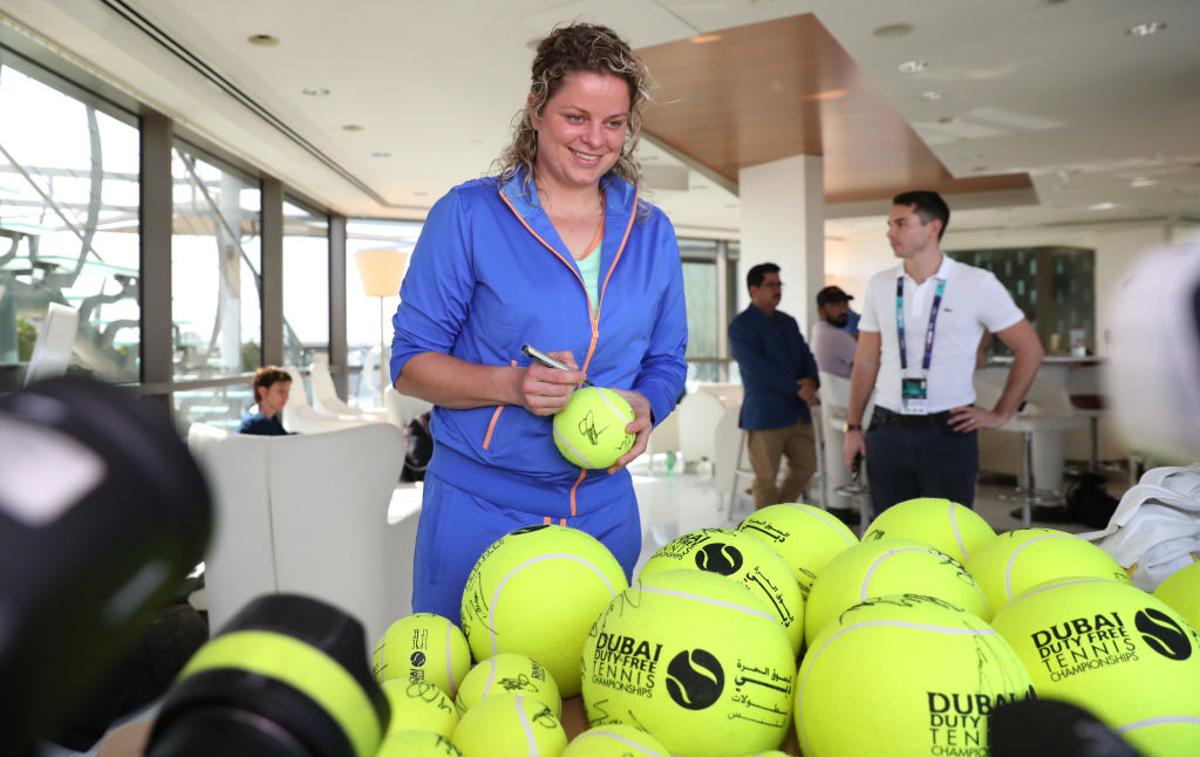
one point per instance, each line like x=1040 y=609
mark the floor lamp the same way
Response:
x=382 y=271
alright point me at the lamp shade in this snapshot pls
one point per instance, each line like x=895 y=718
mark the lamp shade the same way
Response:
x=381 y=270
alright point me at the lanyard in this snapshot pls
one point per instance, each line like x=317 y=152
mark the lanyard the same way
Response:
x=933 y=314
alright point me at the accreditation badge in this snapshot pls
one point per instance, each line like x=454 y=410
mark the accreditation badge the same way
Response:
x=914 y=396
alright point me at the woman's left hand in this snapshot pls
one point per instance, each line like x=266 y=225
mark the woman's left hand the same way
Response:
x=640 y=426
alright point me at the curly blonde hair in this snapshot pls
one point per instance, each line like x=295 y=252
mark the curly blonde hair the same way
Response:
x=570 y=49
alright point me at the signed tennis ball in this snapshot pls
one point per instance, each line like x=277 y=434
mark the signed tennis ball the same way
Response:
x=423 y=648
x=510 y=726
x=615 y=740
x=1181 y=592
x=806 y=537
x=417 y=744
x=590 y=430
x=508 y=673
x=419 y=706
x=956 y=530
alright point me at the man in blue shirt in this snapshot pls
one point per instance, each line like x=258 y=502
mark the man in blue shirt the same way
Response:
x=780 y=380
x=272 y=386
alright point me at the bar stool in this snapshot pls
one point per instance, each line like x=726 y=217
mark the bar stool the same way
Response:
x=1046 y=504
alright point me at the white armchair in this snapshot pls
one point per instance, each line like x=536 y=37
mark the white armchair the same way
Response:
x=301 y=417
x=54 y=345
x=401 y=408
x=699 y=414
x=307 y=514
x=327 y=402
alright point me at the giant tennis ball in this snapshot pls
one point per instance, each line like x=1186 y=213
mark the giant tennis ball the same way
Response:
x=423 y=648
x=615 y=740
x=904 y=675
x=590 y=430
x=1181 y=592
x=1116 y=651
x=510 y=726
x=696 y=661
x=806 y=537
x=956 y=530
x=537 y=591
x=419 y=706
x=508 y=673
x=744 y=559
x=889 y=566
x=1019 y=560
x=417 y=744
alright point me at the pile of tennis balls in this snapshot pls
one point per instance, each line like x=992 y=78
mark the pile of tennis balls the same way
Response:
x=902 y=643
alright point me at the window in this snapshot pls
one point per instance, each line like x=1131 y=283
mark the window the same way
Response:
x=305 y=284
x=69 y=232
x=216 y=265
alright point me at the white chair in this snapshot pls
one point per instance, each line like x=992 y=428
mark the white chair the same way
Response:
x=835 y=404
x=731 y=458
x=301 y=417
x=326 y=401
x=401 y=408
x=305 y=514
x=664 y=438
x=54 y=345
x=699 y=414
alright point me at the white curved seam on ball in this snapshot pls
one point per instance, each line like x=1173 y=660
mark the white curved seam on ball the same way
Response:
x=616 y=411
x=1012 y=559
x=1062 y=583
x=829 y=521
x=487 y=687
x=816 y=655
x=627 y=742
x=957 y=536
x=450 y=660
x=1164 y=720
x=866 y=583
x=570 y=446
x=706 y=600
x=521 y=567
x=527 y=726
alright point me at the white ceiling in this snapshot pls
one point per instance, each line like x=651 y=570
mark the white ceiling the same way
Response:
x=1055 y=89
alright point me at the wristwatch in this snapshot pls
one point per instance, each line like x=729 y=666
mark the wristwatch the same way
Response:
x=853 y=427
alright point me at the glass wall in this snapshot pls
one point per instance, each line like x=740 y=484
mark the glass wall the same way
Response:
x=69 y=231
x=305 y=284
x=366 y=327
x=701 y=292
x=216 y=265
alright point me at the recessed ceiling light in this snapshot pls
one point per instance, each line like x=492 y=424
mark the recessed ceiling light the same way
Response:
x=703 y=39
x=1102 y=206
x=893 y=30
x=933 y=94
x=352 y=127
x=316 y=91
x=381 y=154
x=1146 y=29
x=912 y=66
x=1142 y=181
x=263 y=40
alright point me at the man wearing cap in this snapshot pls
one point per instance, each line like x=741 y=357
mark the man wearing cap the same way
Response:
x=779 y=376
x=920 y=328
x=832 y=346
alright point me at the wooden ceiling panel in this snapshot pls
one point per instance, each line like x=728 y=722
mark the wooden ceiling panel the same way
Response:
x=772 y=90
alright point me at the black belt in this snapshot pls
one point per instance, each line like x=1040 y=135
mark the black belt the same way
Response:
x=884 y=417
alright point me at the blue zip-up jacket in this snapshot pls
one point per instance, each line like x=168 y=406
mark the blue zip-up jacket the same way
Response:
x=490 y=274
x=771 y=356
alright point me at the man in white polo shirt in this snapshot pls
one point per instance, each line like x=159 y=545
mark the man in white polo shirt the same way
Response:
x=920 y=328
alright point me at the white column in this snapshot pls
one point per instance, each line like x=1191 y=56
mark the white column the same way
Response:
x=783 y=222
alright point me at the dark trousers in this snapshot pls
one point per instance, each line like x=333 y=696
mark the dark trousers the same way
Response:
x=933 y=460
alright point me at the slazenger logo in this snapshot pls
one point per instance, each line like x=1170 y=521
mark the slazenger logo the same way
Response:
x=719 y=558
x=1162 y=634
x=695 y=679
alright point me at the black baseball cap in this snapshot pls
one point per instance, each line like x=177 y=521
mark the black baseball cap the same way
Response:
x=832 y=294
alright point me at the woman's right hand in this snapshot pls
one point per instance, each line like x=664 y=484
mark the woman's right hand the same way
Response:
x=544 y=390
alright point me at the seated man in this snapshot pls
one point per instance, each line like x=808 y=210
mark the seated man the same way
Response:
x=271 y=388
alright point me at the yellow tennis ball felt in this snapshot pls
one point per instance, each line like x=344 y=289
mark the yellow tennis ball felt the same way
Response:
x=956 y=530
x=806 y=537
x=508 y=673
x=744 y=559
x=510 y=726
x=419 y=707
x=615 y=740
x=1181 y=592
x=1116 y=651
x=417 y=744
x=536 y=591
x=904 y=675
x=590 y=430
x=889 y=566
x=696 y=661
x=423 y=648
x=1019 y=560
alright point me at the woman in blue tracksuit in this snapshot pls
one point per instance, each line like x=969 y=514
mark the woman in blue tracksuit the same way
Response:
x=557 y=251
